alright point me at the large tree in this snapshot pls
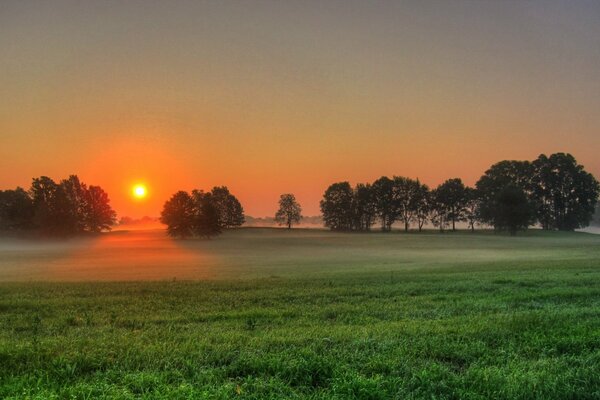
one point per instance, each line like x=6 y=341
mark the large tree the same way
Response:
x=422 y=204
x=471 y=207
x=98 y=215
x=53 y=213
x=565 y=195
x=452 y=195
x=386 y=207
x=514 y=210
x=231 y=212
x=500 y=175
x=363 y=207
x=404 y=198
x=289 y=212
x=76 y=193
x=16 y=210
x=336 y=206
x=439 y=211
x=179 y=214
x=207 y=218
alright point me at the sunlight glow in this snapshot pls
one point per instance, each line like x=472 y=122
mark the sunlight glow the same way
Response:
x=139 y=191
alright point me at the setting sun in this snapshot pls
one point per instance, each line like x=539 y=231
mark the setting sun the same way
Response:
x=139 y=191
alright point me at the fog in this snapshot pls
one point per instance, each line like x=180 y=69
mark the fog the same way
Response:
x=119 y=255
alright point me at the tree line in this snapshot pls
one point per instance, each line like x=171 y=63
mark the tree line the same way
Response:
x=57 y=209
x=201 y=214
x=553 y=191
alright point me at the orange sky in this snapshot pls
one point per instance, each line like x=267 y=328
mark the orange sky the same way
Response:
x=271 y=98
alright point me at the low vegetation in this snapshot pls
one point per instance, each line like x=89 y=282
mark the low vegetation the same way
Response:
x=321 y=315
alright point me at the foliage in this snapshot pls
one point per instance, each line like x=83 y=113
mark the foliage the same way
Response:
x=65 y=208
x=207 y=217
x=364 y=211
x=289 y=212
x=501 y=175
x=514 y=210
x=179 y=213
x=565 y=194
x=387 y=211
x=191 y=215
x=231 y=212
x=336 y=206
x=16 y=210
x=451 y=198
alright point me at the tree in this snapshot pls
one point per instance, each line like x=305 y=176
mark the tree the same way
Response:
x=98 y=215
x=471 y=207
x=336 y=206
x=452 y=196
x=289 y=212
x=496 y=179
x=363 y=207
x=76 y=192
x=386 y=207
x=207 y=222
x=16 y=210
x=439 y=210
x=565 y=195
x=514 y=210
x=179 y=215
x=404 y=196
x=231 y=212
x=422 y=204
x=53 y=212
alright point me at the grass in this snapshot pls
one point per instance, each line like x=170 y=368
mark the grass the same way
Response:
x=319 y=315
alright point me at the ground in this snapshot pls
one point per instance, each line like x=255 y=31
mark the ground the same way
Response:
x=267 y=313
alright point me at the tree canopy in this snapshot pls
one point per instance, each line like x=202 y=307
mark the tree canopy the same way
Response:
x=56 y=209
x=289 y=212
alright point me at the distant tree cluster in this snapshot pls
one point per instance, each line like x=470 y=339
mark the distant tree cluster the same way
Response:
x=553 y=191
x=64 y=208
x=202 y=214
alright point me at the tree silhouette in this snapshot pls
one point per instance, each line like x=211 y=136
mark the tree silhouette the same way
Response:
x=336 y=206
x=16 y=210
x=404 y=197
x=514 y=210
x=364 y=209
x=207 y=222
x=97 y=212
x=471 y=207
x=422 y=204
x=76 y=193
x=179 y=215
x=387 y=210
x=53 y=211
x=231 y=212
x=452 y=196
x=499 y=176
x=564 y=193
x=289 y=212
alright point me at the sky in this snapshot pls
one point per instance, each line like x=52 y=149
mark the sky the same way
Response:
x=272 y=97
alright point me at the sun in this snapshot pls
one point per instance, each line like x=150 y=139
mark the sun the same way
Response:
x=139 y=191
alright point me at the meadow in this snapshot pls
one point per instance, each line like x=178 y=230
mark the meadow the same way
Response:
x=301 y=314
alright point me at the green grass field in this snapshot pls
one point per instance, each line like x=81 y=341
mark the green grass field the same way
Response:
x=302 y=314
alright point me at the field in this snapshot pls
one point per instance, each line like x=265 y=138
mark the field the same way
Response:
x=266 y=313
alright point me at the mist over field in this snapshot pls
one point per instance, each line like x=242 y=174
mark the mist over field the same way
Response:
x=263 y=252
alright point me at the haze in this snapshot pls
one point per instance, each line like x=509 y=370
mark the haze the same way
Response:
x=273 y=97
